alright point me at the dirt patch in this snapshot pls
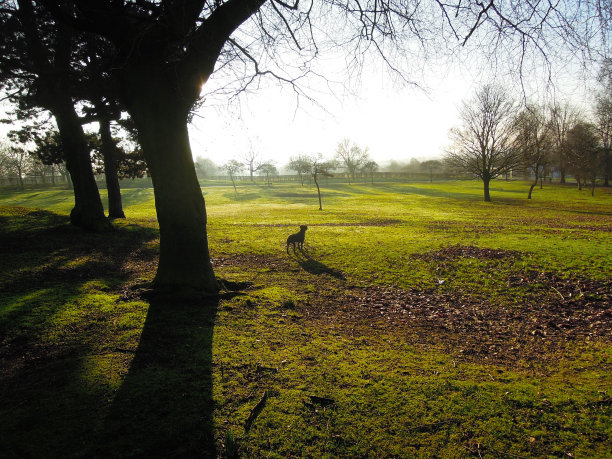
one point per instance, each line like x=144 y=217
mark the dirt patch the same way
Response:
x=473 y=327
x=556 y=311
x=456 y=252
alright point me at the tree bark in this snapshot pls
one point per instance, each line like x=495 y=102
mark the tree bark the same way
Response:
x=487 y=194
x=184 y=259
x=88 y=212
x=532 y=186
x=68 y=179
x=115 y=206
x=318 y=192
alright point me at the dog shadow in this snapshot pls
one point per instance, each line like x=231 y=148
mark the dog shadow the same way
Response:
x=312 y=266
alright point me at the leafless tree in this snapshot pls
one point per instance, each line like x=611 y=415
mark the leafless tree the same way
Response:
x=603 y=118
x=368 y=168
x=584 y=153
x=232 y=167
x=533 y=141
x=268 y=168
x=319 y=167
x=483 y=144
x=351 y=156
x=562 y=118
x=15 y=161
x=431 y=166
x=301 y=165
x=252 y=162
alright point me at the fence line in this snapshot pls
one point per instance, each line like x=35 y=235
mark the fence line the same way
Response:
x=145 y=182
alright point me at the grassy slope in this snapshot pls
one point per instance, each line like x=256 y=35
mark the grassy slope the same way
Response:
x=95 y=368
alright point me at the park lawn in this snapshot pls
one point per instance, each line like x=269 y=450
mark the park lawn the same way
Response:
x=418 y=321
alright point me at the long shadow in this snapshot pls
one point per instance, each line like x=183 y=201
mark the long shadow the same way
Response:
x=242 y=196
x=164 y=407
x=312 y=266
x=421 y=191
x=135 y=196
x=47 y=408
x=27 y=220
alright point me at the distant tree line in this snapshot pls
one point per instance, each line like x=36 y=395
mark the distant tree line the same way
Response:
x=498 y=137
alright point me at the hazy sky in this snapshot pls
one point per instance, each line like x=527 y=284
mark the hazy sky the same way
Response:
x=394 y=121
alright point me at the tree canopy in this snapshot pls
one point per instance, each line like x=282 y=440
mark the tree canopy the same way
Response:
x=483 y=145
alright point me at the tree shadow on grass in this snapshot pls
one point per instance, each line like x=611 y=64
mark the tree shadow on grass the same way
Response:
x=430 y=192
x=164 y=407
x=53 y=325
x=242 y=196
x=312 y=266
x=137 y=196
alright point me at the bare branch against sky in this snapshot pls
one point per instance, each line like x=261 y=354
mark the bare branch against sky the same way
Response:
x=326 y=52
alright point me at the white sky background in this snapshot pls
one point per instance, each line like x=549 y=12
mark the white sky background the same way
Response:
x=369 y=107
x=395 y=121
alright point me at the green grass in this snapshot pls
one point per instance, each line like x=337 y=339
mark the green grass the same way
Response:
x=419 y=321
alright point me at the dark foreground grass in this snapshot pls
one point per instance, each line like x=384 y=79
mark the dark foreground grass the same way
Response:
x=417 y=322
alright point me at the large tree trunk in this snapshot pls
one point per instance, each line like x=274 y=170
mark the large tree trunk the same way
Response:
x=487 y=195
x=606 y=164
x=184 y=259
x=115 y=207
x=88 y=212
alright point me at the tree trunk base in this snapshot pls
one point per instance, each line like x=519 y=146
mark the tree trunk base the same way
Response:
x=113 y=215
x=89 y=223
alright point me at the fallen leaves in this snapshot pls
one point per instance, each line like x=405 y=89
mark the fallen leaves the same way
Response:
x=477 y=327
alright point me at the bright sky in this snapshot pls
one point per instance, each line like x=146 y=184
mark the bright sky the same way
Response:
x=394 y=122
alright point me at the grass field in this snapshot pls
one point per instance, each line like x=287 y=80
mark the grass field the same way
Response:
x=419 y=321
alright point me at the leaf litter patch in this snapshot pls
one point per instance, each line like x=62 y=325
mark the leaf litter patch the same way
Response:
x=473 y=327
x=556 y=310
x=455 y=252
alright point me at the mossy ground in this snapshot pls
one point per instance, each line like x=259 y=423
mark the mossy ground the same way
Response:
x=418 y=321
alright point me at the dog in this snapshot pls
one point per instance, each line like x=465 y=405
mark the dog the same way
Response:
x=297 y=238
